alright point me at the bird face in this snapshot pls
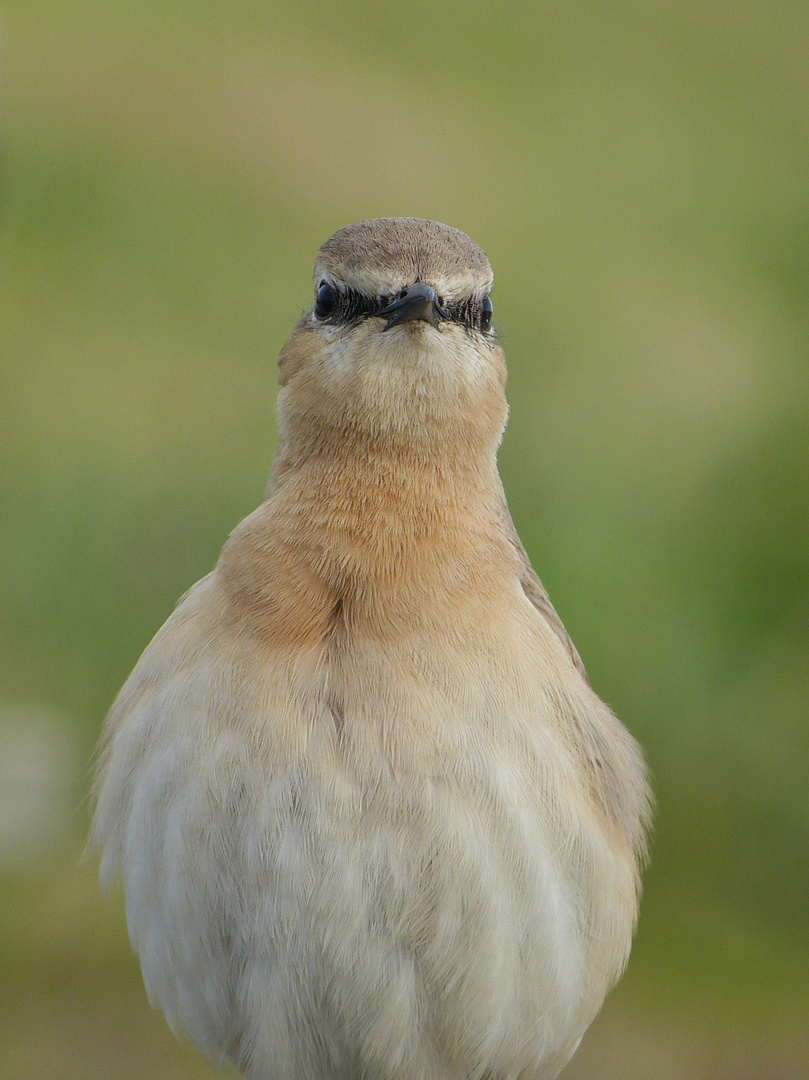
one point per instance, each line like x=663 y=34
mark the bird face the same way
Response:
x=399 y=339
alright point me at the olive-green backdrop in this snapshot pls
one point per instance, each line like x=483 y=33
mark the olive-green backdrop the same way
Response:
x=638 y=173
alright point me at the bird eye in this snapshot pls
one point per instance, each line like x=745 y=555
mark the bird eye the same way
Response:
x=326 y=300
x=486 y=309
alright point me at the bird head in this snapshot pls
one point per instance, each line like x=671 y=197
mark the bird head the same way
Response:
x=398 y=348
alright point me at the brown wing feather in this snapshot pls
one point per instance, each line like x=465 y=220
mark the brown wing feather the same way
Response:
x=535 y=591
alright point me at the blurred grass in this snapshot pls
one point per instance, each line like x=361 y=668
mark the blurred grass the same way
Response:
x=639 y=175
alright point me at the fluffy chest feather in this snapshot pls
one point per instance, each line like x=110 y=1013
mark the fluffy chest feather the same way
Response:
x=362 y=855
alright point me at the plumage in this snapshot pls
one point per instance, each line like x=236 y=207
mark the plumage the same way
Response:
x=371 y=819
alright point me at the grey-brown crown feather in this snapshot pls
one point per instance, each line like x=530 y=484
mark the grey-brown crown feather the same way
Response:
x=405 y=248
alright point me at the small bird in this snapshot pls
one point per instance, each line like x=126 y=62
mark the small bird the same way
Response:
x=371 y=819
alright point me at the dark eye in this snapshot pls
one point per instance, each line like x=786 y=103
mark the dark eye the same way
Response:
x=486 y=309
x=326 y=301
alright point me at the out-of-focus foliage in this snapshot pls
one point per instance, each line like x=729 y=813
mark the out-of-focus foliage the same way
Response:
x=639 y=175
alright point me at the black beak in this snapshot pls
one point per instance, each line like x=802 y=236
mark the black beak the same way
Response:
x=418 y=302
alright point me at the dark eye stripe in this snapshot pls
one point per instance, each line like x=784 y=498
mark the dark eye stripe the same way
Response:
x=357 y=305
x=473 y=312
x=343 y=306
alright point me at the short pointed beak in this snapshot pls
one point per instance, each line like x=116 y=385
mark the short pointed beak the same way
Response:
x=418 y=302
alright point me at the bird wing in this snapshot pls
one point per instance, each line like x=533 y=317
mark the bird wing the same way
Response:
x=536 y=593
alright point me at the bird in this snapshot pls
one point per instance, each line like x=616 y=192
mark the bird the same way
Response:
x=371 y=819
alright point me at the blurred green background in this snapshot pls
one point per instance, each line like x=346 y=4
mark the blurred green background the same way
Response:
x=639 y=176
